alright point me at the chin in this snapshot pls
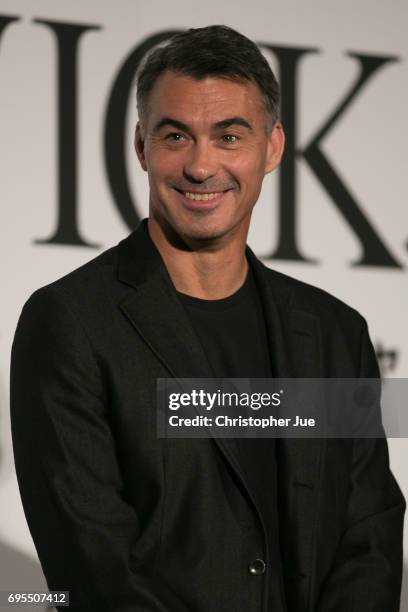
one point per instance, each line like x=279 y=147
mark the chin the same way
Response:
x=205 y=234
x=193 y=228
x=200 y=227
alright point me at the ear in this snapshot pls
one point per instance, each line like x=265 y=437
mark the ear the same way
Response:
x=275 y=147
x=139 y=145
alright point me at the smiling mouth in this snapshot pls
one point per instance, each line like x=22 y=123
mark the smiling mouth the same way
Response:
x=201 y=197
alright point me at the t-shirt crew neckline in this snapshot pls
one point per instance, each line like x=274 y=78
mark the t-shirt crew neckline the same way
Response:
x=220 y=304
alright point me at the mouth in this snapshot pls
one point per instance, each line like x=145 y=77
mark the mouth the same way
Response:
x=200 y=198
x=193 y=195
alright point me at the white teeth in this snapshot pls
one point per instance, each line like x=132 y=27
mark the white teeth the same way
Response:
x=201 y=196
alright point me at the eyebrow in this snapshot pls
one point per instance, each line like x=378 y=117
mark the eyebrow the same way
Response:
x=168 y=121
x=226 y=123
x=223 y=124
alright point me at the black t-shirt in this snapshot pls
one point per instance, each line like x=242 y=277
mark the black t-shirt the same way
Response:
x=232 y=332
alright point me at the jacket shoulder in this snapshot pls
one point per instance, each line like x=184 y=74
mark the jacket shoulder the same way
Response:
x=90 y=273
x=81 y=289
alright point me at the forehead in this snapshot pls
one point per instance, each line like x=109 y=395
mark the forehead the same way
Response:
x=212 y=98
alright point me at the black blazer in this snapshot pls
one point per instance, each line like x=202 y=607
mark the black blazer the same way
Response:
x=130 y=522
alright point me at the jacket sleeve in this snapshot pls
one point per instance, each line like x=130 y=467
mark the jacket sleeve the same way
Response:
x=85 y=533
x=366 y=575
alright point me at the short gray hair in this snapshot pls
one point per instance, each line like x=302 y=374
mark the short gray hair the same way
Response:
x=216 y=51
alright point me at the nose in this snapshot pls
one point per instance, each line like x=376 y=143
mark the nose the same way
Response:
x=200 y=164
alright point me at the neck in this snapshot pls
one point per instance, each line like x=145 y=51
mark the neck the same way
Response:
x=209 y=273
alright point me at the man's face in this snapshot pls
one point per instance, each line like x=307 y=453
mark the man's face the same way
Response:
x=206 y=148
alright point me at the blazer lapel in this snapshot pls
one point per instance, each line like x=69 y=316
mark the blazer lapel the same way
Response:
x=155 y=311
x=293 y=334
x=161 y=321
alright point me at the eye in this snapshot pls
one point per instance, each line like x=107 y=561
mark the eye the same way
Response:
x=229 y=138
x=175 y=137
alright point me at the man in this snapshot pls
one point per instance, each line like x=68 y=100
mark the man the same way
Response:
x=125 y=520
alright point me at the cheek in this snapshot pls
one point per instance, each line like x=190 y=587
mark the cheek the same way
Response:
x=248 y=171
x=162 y=164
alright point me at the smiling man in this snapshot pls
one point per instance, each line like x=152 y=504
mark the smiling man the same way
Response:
x=127 y=521
x=206 y=144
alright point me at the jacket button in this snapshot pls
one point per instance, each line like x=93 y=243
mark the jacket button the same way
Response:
x=257 y=567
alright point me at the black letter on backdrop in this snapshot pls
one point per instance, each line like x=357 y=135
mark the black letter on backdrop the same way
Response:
x=288 y=193
x=375 y=252
x=67 y=36
x=115 y=128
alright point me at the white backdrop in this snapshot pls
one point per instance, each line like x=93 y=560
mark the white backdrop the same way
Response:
x=366 y=147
